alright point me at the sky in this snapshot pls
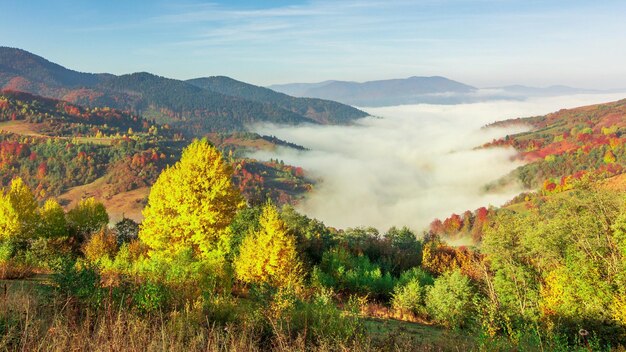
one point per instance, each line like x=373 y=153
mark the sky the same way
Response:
x=484 y=43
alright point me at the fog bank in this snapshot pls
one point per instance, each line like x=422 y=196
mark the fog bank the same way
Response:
x=409 y=164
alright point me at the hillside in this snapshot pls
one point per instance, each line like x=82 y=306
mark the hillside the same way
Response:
x=62 y=149
x=193 y=109
x=563 y=151
x=412 y=90
x=322 y=111
x=567 y=144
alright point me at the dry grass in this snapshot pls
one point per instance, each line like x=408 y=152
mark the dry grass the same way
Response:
x=126 y=204
x=30 y=321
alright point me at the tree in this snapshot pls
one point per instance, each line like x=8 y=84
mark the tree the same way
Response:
x=53 y=222
x=449 y=301
x=127 y=231
x=87 y=217
x=9 y=222
x=191 y=204
x=269 y=256
x=18 y=211
x=102 y=244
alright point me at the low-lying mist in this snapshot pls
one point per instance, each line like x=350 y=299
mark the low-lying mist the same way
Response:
x=409 y=164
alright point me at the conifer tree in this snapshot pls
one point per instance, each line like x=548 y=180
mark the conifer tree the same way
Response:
x=269 y=256
x=191 y=204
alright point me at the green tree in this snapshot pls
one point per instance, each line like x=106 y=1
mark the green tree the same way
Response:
x=53 y=222
x=449 y=301
x=87 y=217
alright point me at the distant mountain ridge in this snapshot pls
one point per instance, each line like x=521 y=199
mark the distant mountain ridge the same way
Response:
x=420 y=90
x=194 y=108
x=414 y=89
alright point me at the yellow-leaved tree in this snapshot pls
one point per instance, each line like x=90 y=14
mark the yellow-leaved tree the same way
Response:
x=191 y=204
x=18 y=211
x=269 y=255
x=53 y=222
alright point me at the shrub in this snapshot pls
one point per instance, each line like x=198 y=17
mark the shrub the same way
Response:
x=151 y=297
x=80 y=283
x=352 y=274
x=409 y=298
x=449 y=301
x=101 y=245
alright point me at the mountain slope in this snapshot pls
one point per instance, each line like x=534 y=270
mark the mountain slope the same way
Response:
x=191 y=108
x=323 y=111
x=565 y=145
x=384 y=92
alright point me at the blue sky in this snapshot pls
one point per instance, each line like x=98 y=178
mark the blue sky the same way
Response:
x=479 y=42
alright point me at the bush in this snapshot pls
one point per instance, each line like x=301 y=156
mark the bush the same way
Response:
x=416 y=274
x=348 y=273
x=101 y=245
x=409 y=298
x=151 y=297
x=79 y=283
x=449 y=301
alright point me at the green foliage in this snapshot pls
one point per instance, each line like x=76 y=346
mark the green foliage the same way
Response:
x=450 y=300
x=82 y=283
x=7 y=249
x=313 y=238
x=561 y=265
x=409 y=297
x=53 y=223
x=127 y=230
x=151 y=297
x=346 y=272
x=418 y=275
x=87 y=217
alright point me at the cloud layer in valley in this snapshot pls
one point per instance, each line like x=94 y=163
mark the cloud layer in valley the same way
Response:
x=409 y=164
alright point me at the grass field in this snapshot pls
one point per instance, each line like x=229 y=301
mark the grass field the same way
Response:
x=126 y=204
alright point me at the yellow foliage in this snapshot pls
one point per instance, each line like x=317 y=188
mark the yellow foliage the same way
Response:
x=101 y=244
x=191 y=204
x=18 y=211
x=53 y=223
x=619 y=309
x=552 y=293
x=9 y=223
x=269 y=255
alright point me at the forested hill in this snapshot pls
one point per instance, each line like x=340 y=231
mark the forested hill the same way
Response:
x=565 y=145
x=323 y=111
x=189 y=107
x=181 y=104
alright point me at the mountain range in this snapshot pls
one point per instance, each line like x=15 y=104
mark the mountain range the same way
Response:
x=213 y=104
x=418 y=90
